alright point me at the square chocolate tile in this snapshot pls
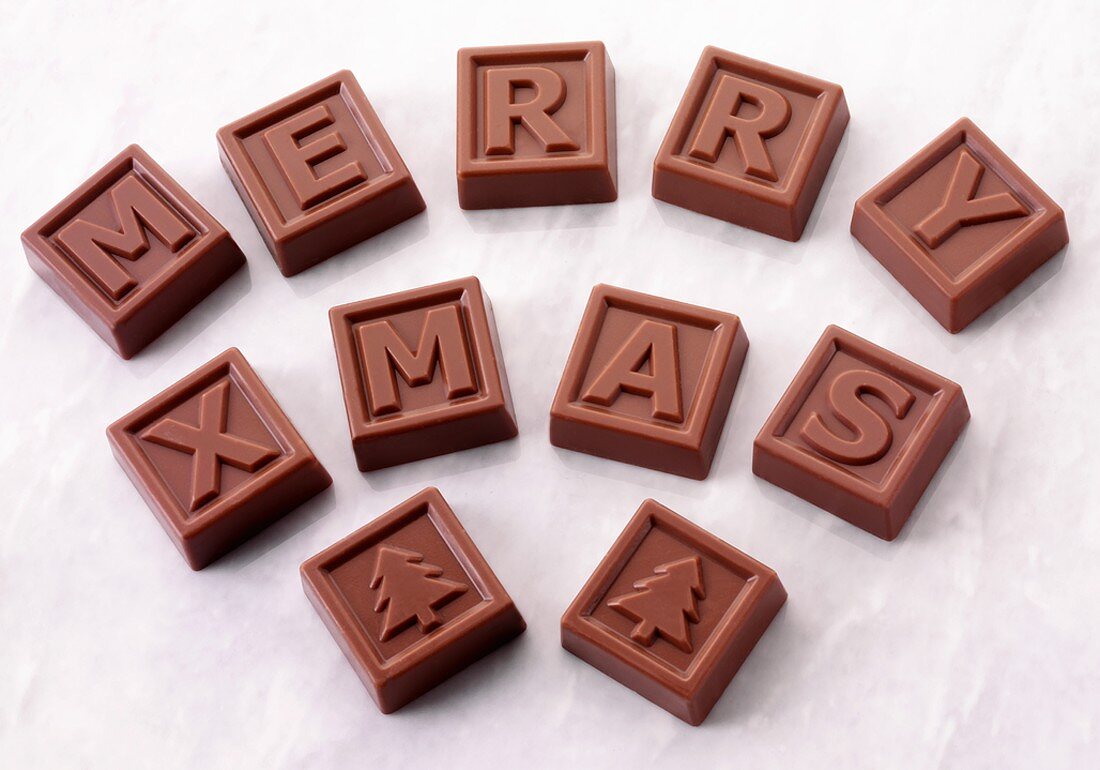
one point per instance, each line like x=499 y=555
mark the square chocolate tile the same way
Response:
x=649 y=382
x=536 y=126
x=860 y=432
x=130 y=251
x=410 y=600
x=750 y=143
x=422 y=373
x=318 y=172
x=216 y=459
x=959 y=225
x=672 y=612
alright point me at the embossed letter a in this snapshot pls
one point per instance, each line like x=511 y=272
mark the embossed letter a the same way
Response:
x=653 y=342
x=442 y=342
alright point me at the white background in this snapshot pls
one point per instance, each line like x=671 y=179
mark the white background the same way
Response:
x=968 y=642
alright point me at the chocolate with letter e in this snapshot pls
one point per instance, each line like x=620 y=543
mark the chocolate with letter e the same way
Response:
x=318 y=172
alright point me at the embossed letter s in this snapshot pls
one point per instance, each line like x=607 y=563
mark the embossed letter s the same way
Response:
x=442 y=341
x=501 y=113
x=873 y=435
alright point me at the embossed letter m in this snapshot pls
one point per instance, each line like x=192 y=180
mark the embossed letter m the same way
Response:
x=385 y=355
x=138 y=209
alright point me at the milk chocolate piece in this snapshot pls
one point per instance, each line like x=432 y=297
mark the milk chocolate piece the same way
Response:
x=410 y=600
x=860 y=432
x=649 y=382
x=422 y=373
x=318 y=172
x=216 y=458
x=130 y=251
x=672 y=612
x=959 y=225
x=536 y=126
x=750 y=143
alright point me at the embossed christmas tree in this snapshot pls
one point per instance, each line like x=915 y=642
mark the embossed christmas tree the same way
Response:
x=664 y=603
x=409 y=591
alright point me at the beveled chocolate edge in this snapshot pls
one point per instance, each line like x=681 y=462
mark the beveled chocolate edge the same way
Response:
x=594 y=54
x=689 y=436
x=945 y=392
x=254 y=190
x=428 y=502
x=961 y=132
x=685 y=683
x=230 y=363
x=829 y=99
x=71 y=280
x=491 y=383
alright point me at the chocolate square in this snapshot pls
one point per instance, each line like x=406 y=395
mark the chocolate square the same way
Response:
x=130 y=251
x=750 y=143
x=959 y=225
x=649 y=382
x=318 y=172
x=860 y=432
x=422 y=373
x=672 y=612
x=216 y=459
x=410 y=600
x=536 y=126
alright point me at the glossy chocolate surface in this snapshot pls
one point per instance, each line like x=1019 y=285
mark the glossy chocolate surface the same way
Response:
x=750 y=143
x=318 y=172
x=672 y=612
x=422 y=373
x=131 y=251
x=216 y=459
x=959 y=225
x=536 y=126
x=649 y=381
x=860 y=432
x=410 y=600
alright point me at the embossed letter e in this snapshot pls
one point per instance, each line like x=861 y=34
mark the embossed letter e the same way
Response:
x=442 y=341
x=654 y=343
x=502 y=112
x=138 y=209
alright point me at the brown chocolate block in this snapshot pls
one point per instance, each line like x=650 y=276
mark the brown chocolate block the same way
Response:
x=216 y=458
x=672 y=612
x=860 y=432
x=536 y=126
x=318 y=172
x=130 y=251
x=750 y=143
x=422 y=373
x=410 y=600
x=649 y=382
x=959 y=225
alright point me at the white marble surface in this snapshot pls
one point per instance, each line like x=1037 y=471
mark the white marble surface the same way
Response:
x=968 y=642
